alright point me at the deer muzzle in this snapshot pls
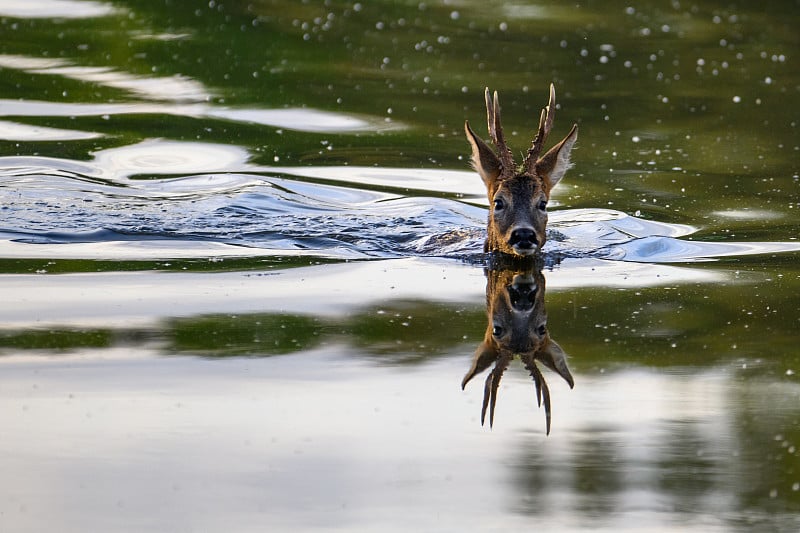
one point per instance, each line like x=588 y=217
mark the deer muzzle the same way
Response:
x=524 y=241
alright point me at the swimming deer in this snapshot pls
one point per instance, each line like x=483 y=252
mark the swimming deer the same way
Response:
x=518 y=196
x=517 y=324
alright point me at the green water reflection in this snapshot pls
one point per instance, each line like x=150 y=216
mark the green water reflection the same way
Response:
x=687 y=114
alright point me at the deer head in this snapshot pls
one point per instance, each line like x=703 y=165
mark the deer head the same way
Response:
x=518 y=196
x=517 y=324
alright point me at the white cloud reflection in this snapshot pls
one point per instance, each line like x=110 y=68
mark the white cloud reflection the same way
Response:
x=12 y=131
x=159 y=88
x=55 y=9
x=177 y=95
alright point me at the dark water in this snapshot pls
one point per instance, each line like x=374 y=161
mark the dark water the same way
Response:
x=242 y=281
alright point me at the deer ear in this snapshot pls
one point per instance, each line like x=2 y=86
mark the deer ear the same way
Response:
x=484 y=160
x=555 y=358
x=554 y=164
x=484 y=356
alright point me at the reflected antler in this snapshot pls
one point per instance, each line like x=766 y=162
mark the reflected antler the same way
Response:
x=545 y=125
x=496 y=131
x=542 y=390
x=490 y=388
x=516 y=327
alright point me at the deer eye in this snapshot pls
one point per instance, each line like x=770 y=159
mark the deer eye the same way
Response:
x=499 y=204
x=541 y=330
x=497 y=331
x=542 y=205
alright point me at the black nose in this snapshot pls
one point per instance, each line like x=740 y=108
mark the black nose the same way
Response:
x=522 y=296
x=524 y=239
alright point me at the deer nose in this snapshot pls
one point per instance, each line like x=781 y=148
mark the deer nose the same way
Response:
x=523 y=239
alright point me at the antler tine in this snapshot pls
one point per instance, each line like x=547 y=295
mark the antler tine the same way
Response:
x=487 y=387
x=545 y=125
x=547 y=414
x=490 y=389
x=490 y=114
x=542 y=390
x=496 y=129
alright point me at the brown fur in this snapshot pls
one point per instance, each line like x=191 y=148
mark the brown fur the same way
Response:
x=517 y=325
x=518 y=196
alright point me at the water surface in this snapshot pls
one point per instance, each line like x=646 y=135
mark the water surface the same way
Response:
x=241 y=268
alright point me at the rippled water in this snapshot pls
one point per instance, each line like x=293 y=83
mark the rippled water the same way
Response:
x=241 y=268
x=130 y=194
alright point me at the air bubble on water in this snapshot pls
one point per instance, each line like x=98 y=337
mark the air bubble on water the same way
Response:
x=454 y=15
x=636 y=138
x=737 y=99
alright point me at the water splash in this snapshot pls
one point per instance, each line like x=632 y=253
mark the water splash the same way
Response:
x=172 y=199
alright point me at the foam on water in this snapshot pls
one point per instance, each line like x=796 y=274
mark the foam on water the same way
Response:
x=159 y=192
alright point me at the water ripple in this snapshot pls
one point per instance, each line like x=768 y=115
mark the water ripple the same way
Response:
x=197 y=193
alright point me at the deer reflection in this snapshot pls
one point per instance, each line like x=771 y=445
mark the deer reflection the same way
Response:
x=517 y=325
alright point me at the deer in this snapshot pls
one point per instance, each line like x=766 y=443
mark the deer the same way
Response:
x=518 y=196
x=517 y=324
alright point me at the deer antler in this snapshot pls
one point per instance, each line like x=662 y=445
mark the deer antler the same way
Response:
x=542 y=390
x=496 y=131
x=545 y=125
x=490 y=388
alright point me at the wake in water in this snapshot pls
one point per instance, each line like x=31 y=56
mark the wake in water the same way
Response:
x=172 y=199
